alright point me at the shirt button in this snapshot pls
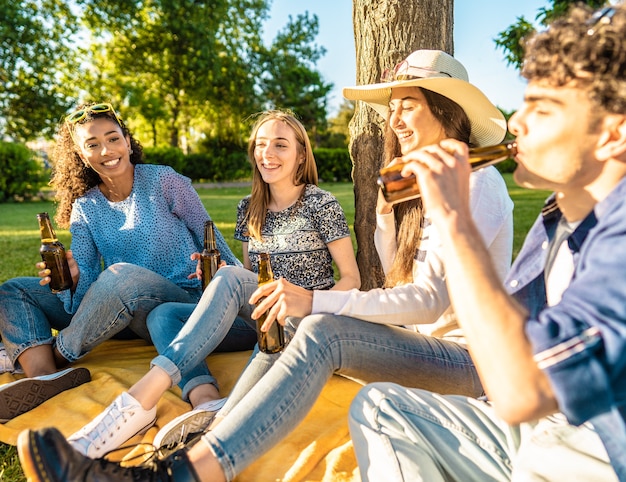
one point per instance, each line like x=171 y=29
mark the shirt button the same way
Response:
x=513 y=283
x=544 y=245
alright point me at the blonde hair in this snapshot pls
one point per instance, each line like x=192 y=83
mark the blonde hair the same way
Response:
x=305 y=174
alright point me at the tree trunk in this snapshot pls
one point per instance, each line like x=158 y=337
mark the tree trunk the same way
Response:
x=385 y=32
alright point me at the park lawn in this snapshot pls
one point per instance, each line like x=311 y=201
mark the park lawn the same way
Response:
x=19 y=241
x=19 y=231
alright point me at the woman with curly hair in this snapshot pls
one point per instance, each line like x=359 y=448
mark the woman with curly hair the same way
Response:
x=136 y=231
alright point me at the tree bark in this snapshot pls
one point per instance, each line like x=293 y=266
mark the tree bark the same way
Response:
x=385 y=32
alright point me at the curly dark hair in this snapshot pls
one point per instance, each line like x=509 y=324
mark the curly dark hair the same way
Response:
x=71 y=178
x=587 y=50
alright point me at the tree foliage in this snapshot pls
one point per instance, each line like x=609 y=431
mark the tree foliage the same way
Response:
x=511 y=40
x=180 y=70
x=288 y=78
x=184 y=63
x=35 y=48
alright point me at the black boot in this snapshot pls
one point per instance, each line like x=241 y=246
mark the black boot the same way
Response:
x=47 y=457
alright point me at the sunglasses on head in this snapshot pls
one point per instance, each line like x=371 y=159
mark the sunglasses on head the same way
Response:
x=405 y=71
x=80 y=114
x=599 y=19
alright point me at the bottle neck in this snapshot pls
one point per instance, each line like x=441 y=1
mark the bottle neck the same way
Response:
x=209 y=237
x=46 y=230
x=265 y=269
x=480 y=157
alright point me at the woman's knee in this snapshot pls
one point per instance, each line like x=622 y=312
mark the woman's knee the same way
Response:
x=232 y=275
x=126 y=279
x=118 y=270
x=166 y=313
x=318 y=327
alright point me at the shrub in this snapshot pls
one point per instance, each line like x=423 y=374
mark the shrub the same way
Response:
x=220 y=160
x=231 y=166
x=168 y=156
x=228 y=161
x=23 y=174
x=333 y=165
x=198 y=167
x=218 y=166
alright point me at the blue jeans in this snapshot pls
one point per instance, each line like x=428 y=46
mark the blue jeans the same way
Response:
x=406 y=434
x=185 y=335
x=117 y=303
x=322 y=346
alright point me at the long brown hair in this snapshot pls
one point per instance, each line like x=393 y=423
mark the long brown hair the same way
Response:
x=305 y=174
x=71 y=178
x=409 y=215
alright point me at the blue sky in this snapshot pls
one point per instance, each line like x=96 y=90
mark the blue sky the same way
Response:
x=476 y=24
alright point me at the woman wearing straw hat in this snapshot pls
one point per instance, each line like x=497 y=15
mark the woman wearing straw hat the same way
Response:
x=405 y=333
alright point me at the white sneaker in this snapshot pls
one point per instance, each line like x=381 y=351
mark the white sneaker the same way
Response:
x=6 y=365
x=120 y=421
x=188 y=424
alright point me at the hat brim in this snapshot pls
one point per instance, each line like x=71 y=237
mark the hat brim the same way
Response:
x=487 y=122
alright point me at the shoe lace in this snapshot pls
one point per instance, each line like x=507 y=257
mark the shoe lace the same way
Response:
x=155 y=464
x=144 y=466
x=106 y=428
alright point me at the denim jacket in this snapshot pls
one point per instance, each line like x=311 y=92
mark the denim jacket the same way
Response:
x=580 y=343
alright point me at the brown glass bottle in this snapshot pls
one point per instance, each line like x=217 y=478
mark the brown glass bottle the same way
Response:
x=210 y=256
x=396 y=188
x=272 y=340
x=53 y=254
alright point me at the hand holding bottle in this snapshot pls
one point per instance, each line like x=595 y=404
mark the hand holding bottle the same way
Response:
x=54 y=257
x=382 y=206
x=197 y=274
x=281 y=299
x=398 y=185
x=272 y=338
x=44 y=271
x=442 y=172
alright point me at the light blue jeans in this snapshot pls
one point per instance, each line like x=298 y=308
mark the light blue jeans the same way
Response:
x=115 y=305
x=185 y=335
x=404 y=434
x=322 y=346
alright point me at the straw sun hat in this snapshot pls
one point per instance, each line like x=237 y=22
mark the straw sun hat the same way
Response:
x=437 y=71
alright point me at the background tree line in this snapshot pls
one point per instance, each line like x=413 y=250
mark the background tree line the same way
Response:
x=182 y=71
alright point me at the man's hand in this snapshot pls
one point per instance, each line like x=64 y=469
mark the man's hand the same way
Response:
x=282 y=299
x=443 y=174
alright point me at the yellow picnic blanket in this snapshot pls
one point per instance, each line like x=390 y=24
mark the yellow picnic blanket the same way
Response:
x=318 y=449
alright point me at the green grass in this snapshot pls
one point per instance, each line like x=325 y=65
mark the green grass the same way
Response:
x=19 y=233
x=19 y=241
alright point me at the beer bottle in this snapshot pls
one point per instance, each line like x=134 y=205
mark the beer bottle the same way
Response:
x=396 y=188
x=210 y=256
x=53 y=254
x=272 y=340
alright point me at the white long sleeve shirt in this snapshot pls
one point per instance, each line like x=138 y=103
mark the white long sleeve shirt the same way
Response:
x=424 y=304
